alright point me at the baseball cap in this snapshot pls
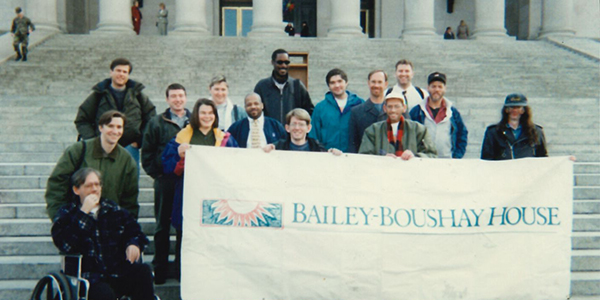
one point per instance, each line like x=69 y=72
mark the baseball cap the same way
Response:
x=515 y=100
x=436 y=76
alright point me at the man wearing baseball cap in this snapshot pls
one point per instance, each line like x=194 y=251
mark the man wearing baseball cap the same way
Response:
x=397 y=136
x=442 y=119
x=515 y=136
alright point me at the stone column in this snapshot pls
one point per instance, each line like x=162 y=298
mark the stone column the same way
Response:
x=418 y=19
x=345 y=19
x=43 y=14
x=489 y=19
x=190 y=17
x=267 y=18
x=556 y=18
x=114 y=17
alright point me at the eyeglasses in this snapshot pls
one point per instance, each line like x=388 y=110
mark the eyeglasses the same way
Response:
x=283 y=62
x=298 y=125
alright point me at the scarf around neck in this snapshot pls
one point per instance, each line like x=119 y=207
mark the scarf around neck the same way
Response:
x=398 y=143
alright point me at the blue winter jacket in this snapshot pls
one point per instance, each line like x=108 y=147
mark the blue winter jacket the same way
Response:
x=330 y=125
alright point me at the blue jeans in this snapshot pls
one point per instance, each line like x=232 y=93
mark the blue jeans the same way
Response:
x=135 y=153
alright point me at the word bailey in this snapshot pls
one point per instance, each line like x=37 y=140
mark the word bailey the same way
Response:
x=428 y=218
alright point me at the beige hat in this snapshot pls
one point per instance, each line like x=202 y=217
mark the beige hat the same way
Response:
x=396 y=93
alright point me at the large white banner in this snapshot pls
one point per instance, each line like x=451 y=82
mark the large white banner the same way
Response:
x=295 y=225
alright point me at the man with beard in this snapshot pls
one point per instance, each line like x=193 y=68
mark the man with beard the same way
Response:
x=281 y=93
x=442 y=119
x=363 y=115
x=256 y=131
x=397 y=136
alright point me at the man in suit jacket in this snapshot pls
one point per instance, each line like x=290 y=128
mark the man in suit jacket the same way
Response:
x=257 y=130
x=363 y=115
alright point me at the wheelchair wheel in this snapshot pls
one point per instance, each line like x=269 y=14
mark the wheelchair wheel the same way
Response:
x=54 y=286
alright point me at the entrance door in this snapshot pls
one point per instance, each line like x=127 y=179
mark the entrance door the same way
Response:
x=236 y=21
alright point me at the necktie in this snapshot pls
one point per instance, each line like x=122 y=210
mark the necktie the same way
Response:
x=255 y=134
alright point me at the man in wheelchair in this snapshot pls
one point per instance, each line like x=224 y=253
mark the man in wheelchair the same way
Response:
x=107 y=237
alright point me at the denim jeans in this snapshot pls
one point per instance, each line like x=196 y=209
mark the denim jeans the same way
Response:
x=135 y=153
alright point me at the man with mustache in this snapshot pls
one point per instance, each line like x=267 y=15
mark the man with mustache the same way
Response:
x=442 y=119
x=257 y=130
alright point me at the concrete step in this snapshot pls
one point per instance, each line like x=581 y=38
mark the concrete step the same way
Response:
x=42 y=227
x=585 y=240
x=33 y=168
x=39 y=182
x=587 y=179
x=585 y=261
x=26 y=169
x=586 y=192
x=585 y=284
x=37 y=195
x=586 y=206
x=38 y=211
x=43 y=245
x=22 y=289
x=589 y=222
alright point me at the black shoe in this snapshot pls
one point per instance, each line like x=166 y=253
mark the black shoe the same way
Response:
x=18 y=57
x=25 y=58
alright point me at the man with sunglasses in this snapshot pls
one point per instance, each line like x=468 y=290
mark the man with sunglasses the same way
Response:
x=280 y=93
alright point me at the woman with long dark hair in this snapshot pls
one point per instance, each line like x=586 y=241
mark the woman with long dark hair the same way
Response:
x=203 y=130
x=515 y=136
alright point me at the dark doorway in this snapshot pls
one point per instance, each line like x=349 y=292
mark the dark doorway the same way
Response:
x=82 y=16
x=367 y=17
x=305 y=11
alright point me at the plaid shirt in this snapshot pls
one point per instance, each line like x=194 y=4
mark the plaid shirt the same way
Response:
x=102 y=241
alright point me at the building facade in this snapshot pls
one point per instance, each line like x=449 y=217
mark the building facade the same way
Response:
x=521 y=19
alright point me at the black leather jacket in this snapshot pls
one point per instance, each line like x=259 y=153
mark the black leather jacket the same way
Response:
x=500 y=145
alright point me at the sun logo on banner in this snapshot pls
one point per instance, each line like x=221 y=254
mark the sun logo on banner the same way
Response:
x=239 y=213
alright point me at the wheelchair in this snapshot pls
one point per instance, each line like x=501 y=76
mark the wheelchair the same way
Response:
x=67 y=284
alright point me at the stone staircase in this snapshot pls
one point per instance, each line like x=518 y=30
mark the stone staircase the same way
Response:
x=39 y=99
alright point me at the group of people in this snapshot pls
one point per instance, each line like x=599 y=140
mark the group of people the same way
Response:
x=291 y=30
x=463 y=32
x=92 y=192
x=162 y=17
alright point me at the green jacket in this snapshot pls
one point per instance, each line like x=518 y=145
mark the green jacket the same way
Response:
x=138 y=110
x=415 y=138
x=21 y=26
x=119 y=176
x=159 y=132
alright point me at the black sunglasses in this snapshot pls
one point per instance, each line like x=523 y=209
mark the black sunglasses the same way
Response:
x=283 y=62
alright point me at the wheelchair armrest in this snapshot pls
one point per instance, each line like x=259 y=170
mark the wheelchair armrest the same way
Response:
x=70 y=264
